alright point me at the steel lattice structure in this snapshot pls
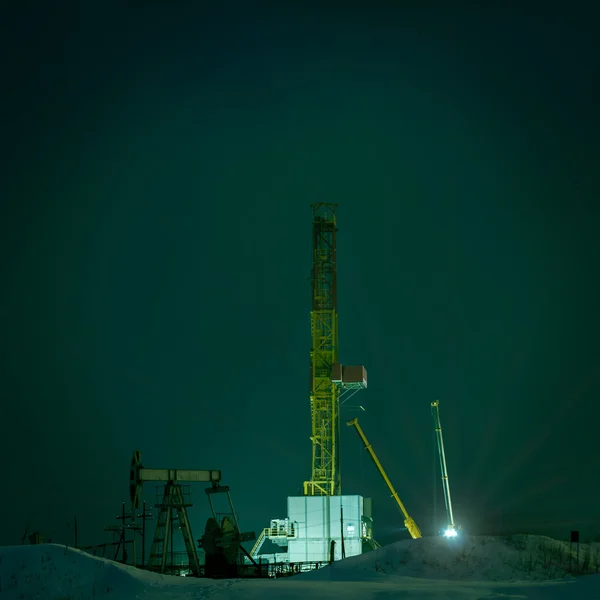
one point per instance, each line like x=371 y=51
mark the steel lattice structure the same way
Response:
x=324 y=394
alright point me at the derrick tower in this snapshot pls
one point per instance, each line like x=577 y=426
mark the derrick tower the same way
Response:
x=324 y=393
x=313 y=530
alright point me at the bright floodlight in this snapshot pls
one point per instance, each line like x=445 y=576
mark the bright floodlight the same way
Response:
x=450 y=532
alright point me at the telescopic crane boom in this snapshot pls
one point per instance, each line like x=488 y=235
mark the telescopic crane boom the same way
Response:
x=435 y=411
x=409 y=522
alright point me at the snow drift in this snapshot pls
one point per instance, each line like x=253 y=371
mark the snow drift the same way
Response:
x=470 y=558
x=413 y=569
x=53 y=571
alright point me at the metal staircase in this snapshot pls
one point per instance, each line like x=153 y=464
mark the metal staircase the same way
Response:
x=259 y=542
x=280 y=531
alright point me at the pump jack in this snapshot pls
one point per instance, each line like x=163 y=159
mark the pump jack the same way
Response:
x=173 y=502
x=409 y=522
x=222 y=539
x=222 y=542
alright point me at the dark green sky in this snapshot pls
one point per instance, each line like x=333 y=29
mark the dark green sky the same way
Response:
x=159 y=164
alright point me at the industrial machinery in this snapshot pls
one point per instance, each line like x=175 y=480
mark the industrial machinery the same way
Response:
x=173 y=502
x=435 y=411
x=409 y=523
x=222 y=538
x=222 y=543
x=327 y=376
x=322 y=514
x=324 y=395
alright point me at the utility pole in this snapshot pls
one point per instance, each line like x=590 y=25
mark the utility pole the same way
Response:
x=342 y=531
x=123 y=537
x=121 y=530
x=145 y=516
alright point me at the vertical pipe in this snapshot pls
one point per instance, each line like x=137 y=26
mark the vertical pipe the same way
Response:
x=123 y=534
x=144 y=536
x=342 y=531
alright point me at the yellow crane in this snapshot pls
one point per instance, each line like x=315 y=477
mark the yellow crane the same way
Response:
x=409 y=522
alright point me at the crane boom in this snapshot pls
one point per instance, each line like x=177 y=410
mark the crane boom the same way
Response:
x=435 y=411
x=408 y=521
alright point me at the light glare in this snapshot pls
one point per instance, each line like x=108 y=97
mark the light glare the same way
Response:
x=450 y=532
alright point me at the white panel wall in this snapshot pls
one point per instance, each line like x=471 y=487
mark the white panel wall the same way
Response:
x=318 y=521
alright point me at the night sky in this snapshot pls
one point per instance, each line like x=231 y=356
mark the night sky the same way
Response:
x=159 y=161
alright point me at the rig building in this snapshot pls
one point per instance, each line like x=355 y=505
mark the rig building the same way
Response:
x=323 y=525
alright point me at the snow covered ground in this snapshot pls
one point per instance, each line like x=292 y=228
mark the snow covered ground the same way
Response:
x=471 y=568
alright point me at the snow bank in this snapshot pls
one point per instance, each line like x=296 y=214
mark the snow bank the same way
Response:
x=51 y=571
x=54 y=572
x=481 y=558
x=412 y=570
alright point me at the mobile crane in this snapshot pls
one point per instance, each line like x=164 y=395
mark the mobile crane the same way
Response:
x=435 y=411
x=409 y=522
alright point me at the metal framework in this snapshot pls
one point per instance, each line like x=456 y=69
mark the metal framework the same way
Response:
x=437 y=424
x=222 y=541
x=324 y=394
x=409 y=522
x=173 y=502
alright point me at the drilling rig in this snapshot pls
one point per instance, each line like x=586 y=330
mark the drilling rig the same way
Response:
x=324 y=394
x=329 y=380
x=322 y=525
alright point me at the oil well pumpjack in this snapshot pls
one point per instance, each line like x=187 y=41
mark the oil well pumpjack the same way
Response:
x=222 y=543
x=222 y=539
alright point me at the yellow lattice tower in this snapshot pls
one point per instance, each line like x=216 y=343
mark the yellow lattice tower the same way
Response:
x=324 y=394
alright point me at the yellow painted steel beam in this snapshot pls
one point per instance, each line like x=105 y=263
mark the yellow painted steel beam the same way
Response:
x=409 y=522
